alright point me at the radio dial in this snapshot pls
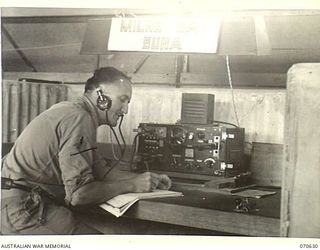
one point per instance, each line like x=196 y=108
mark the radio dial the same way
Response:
x=201 y=135
x=209 y=162
x=188 y=165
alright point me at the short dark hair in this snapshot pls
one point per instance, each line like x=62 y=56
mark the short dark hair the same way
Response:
x=105 y=75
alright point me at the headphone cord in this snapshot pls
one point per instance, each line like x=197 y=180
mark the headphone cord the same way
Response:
x=122 y=137
x=122 y=150
x=114 y=154
x=123 y=140
x=114 y=133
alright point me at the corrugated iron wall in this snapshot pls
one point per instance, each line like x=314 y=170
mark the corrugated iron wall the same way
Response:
x=23 y=101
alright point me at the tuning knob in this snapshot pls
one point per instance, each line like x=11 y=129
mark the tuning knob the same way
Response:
x=201 y=135
x=209 y=162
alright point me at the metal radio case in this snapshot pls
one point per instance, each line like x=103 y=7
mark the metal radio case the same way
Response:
x=191 y=148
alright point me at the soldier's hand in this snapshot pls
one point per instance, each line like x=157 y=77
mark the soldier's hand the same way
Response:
x=145 y=182
x=164 y=182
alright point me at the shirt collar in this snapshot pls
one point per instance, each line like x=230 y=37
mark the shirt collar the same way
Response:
x=91 y=108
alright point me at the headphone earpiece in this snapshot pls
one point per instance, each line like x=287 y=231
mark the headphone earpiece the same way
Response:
x=104 y=102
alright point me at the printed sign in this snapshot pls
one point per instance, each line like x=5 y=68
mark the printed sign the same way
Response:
x=165 y=34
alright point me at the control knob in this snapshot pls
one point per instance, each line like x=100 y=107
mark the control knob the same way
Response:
x=209 y=162
x=201 y=135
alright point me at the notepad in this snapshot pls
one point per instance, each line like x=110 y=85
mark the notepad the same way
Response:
x=118 y=205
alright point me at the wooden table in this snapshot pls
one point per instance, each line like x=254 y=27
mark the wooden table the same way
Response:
x=203 y=209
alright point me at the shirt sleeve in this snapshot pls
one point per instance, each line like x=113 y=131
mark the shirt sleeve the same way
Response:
x=76 y=152
x=100 y=166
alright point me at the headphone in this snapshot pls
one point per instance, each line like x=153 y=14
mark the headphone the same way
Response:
x=104 y=102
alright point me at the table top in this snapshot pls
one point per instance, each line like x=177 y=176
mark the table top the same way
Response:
x=208 y=198
x=205 y=209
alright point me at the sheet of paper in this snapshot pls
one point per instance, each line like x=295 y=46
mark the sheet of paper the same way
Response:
x=123 y=199
x=254 y=193
x=120 y=204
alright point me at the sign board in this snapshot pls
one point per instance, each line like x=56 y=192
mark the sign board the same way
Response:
x=165 y=34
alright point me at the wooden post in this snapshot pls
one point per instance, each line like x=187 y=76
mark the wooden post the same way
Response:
x=262 y=37
x=14 y=115
x=178 y=69
x=6 y=92
x=300 y=207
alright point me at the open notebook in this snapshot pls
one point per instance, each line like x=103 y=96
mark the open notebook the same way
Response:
x=118 y=205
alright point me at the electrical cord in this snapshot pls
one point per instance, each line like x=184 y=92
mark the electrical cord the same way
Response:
x=227 y=123
x=122 y=150
x=117 y=139
x=122 y=137
x=231 y=87
x=112 y=147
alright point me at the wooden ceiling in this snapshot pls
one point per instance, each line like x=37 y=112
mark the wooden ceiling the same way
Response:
x=50 y=40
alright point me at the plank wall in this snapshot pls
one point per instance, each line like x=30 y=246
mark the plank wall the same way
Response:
x=260 y=111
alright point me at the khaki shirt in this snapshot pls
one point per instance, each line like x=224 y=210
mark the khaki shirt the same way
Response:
x=57 y=150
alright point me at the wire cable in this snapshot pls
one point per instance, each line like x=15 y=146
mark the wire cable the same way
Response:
x=114 y=133
x=122 y=153
x=227 y=123
x=121 y=135
x=122 y=150
x=230 y=83
x=117 y=139
x=112 y=147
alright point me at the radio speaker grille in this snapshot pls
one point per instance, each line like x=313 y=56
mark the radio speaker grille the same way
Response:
x=197 y=108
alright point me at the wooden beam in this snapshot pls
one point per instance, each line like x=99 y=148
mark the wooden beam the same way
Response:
x=154 y=78
x=185 y=67
x=18 y=50
x=6 y=92
x=262 y=37
x=58 y=12
x=74 y=78
x=77 y=12
x=62 y=77
x=49 y=19
x=242 y=80
x=252 y=80
x=140 y=64
x=178 y=68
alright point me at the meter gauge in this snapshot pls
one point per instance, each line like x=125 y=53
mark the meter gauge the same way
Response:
x=162 y=132
x=178 y=136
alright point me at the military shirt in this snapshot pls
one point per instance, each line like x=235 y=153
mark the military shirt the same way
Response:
x=57 y=150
